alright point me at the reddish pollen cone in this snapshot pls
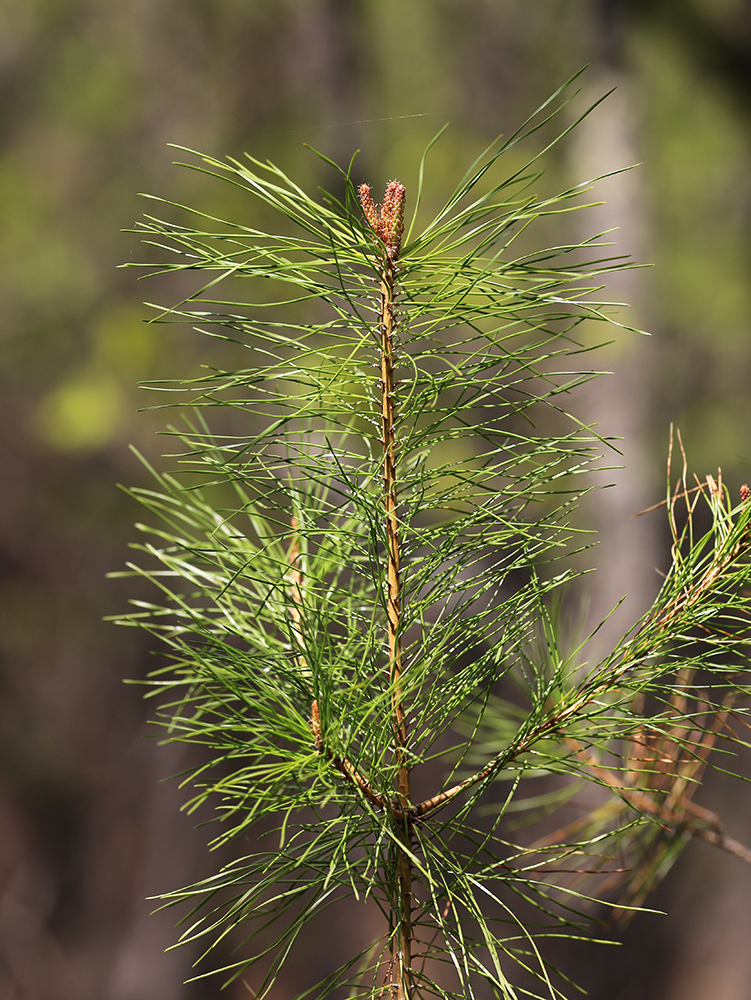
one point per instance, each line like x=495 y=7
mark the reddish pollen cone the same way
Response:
x=388 y=222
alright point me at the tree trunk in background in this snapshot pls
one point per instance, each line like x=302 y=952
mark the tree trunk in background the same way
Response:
x=699 y=949
x=629 y=548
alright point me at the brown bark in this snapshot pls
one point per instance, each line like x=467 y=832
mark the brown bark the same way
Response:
x=401 y=976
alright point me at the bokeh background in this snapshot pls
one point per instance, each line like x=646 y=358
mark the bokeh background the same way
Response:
x=91 y=93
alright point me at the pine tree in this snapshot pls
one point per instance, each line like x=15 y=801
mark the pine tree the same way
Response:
x=359 y=578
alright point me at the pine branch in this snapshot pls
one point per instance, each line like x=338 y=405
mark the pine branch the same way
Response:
x=341 y=763
x=658 y=627
x=297 y=632
x=700 y=822
x=714 y=835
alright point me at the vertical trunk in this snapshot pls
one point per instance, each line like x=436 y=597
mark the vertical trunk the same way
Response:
x=401 y=977
x=624 y=402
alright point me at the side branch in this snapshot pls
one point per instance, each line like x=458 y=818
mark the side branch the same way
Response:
x=496 y=763
x=684 y=815
x=718 y=838
x=604 y=681
x=342 y=764
x=295 y=590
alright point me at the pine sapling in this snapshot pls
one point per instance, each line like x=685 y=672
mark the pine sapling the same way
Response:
x=359 y=575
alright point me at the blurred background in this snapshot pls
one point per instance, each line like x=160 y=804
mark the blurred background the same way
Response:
x=92 y=91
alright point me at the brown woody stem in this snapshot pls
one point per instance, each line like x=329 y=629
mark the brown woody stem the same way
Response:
x=342 y=764
x=401 y=980
x=695 y=820
x=556 y=721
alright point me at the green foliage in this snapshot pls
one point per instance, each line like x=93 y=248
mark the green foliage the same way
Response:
x=358 y=575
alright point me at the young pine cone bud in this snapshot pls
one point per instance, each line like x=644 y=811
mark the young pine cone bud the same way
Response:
x=388 y=223
x=745 y=493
